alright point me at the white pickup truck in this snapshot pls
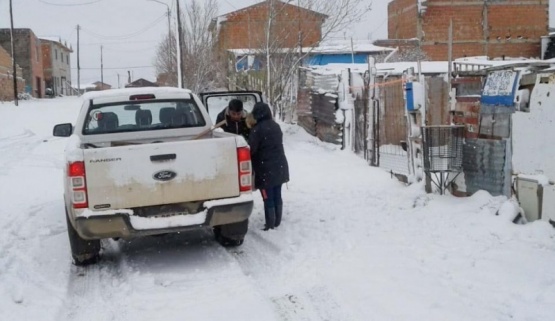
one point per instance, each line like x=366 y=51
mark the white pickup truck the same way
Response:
x=136 y=166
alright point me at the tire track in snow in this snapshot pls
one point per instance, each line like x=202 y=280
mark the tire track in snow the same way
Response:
x=262 y=259
x=14 y=149
x=19 y=148
x=22 y=240
x=93 y=291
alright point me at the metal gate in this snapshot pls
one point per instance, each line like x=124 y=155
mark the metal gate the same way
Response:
x=361 y=126
x=389 y=128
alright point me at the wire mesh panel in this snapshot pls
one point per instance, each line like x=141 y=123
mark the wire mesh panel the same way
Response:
x=443 y=148
x=443 y=154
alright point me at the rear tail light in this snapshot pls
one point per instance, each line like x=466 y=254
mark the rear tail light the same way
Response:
x=142 y=97
x=78 y=184
x=245 y=170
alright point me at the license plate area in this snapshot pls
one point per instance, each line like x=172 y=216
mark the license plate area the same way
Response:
x=169 y=210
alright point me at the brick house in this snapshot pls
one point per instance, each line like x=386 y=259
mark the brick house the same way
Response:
x=28 y=57
x=511 y=28
x=95 y=86
x=6 y=79
x=56 y=66
x=141 y=82
x=246 y=28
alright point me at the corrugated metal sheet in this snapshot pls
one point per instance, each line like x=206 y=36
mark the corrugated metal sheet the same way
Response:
x=495 y=121
x=323 y=108
x=326 y=82
x=485 y=166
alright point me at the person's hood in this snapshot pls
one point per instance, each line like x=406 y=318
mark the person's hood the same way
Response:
x=261 y=111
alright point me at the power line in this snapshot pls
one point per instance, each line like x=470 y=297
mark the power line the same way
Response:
x=113 y=68
x=134 y=50
x=70 y=4
x=118 y=43
x=131 y=35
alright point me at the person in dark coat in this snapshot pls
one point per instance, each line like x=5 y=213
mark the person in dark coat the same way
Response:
x=269 y=163
x=235 y=118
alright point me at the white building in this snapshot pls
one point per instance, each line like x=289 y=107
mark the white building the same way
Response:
x=56 y=66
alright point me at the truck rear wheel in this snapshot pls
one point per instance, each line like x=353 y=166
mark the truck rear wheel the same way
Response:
x=83 y=251
x=231 y=234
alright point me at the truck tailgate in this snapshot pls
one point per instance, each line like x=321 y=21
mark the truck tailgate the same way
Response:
x=164 y=173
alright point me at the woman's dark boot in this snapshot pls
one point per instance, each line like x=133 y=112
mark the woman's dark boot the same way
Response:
x=270 y=215
x=279 y=210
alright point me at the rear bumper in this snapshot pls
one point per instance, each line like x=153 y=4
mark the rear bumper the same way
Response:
x=109 y=224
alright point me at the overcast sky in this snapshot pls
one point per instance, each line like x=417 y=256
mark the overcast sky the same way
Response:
x=129 y=30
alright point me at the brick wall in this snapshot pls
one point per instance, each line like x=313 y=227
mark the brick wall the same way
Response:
x=247 y=28
x=402 y=19
x=467 y=104
x=514 y=27
x=46 y=48
x=6 y=80
x=36 y=66
x=28 y=57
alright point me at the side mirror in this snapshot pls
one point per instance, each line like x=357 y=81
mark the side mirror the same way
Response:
x=63 y=130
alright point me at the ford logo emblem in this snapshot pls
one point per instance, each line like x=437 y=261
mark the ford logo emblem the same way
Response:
x=164 y=175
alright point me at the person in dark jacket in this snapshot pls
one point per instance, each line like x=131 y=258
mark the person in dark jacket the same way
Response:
x=235 y=118
x=269 y=163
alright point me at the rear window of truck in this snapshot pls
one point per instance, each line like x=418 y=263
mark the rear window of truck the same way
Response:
x=134 y=116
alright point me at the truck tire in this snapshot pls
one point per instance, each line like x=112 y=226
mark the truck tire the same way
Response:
x=231 y=234
x=83 y=252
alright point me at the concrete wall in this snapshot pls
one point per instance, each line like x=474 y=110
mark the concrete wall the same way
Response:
x=57 y=68
x=533 y=134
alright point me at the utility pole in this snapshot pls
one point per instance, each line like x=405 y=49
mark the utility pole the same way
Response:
x=352 y=51
x=180 y=72
x=450 y=54
x=118 y=81
x=101 y=68
x=13 y=57
x=268 y=56
x=169 y=39
x=169 y=42
x=485 y=28
x=78 y=65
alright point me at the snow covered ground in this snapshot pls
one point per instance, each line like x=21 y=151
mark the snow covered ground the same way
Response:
x=355 y=244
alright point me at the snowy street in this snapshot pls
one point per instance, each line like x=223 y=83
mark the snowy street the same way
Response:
x=354 y=244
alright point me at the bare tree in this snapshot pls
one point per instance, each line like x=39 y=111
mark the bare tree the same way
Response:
x=165 y=60
x=200 y=64
x=284 y=51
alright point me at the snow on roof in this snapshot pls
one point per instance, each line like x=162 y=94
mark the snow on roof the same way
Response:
x=85 y=86
x=431 y=67
x=428 y=67
x=516 y=63
x=392 y=68
x=325 y=49
x=346 y=48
